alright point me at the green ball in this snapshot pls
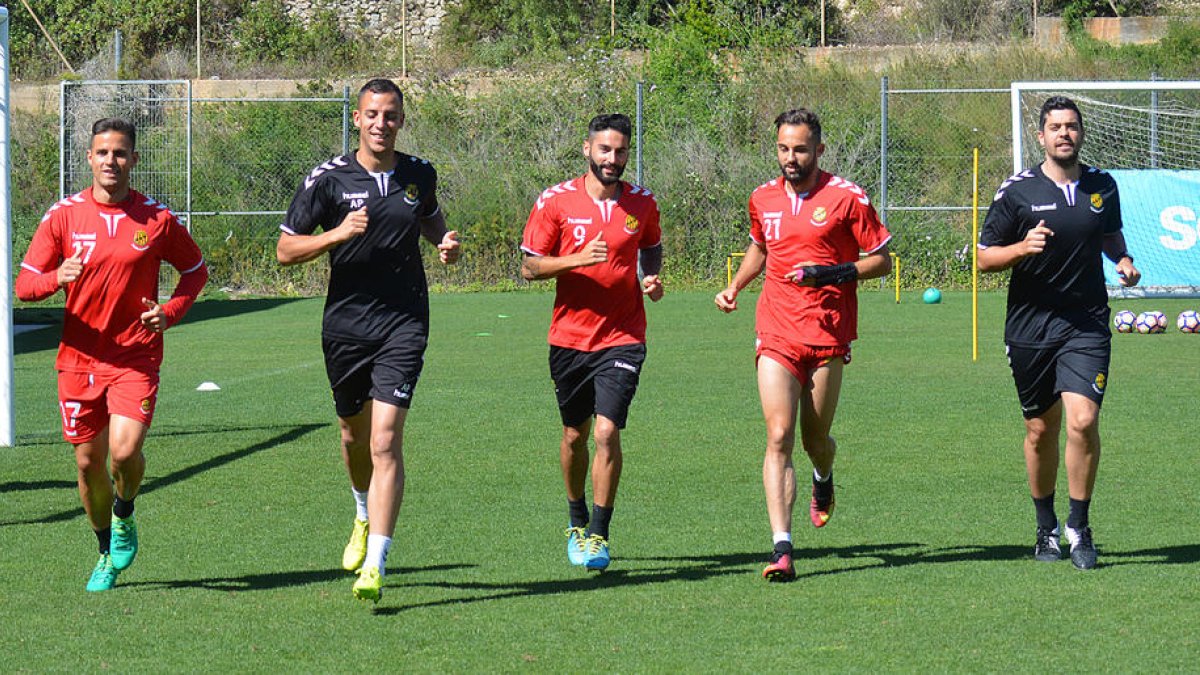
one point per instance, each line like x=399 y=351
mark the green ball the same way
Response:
x=932 y=296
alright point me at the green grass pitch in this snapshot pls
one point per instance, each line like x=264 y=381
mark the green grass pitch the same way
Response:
x=926 y=564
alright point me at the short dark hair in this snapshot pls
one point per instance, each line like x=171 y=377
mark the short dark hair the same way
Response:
x=117 y=124
x=381 y=85
x=615 y=121
x=798 y=116
x=1058 y=103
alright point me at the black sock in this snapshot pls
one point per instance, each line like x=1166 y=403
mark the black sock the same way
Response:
x=1077 y=518
x=1044 y=506
x=783 y=547
x=578 y=510
x=600 y=517
x=121 y=508
x=823 y=490
x=102 y=538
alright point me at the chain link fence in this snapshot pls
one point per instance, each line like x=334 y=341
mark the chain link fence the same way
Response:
x=227 y=167
x=230 y=166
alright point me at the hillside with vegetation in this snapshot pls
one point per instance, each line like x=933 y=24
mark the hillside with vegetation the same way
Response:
x=715 y=73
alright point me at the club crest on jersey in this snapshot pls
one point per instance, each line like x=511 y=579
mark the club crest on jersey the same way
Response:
x=1099 y=383
x=818 y=216
x=411 y=192
x=146 y=405
x=141 y=240
x=1097 y=203
x=631 y=224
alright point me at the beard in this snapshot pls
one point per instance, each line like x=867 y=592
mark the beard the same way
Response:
x=798 y=175
x=598 y=172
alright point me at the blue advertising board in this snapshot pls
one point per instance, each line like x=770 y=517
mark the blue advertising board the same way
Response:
x=1160 y=210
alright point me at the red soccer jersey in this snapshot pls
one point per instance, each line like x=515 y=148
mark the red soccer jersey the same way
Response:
x=827 y=226
x=599 y=306
x=122 y=247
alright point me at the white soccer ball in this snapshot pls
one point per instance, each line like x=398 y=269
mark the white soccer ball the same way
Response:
x=1162 y=321
x=1123 y=321
x=1149 y=322
x=1188 y=322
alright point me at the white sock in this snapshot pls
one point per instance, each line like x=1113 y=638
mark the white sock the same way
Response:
x=783 y=536
x=360 y=503
x=377 y=551
x=818 y=477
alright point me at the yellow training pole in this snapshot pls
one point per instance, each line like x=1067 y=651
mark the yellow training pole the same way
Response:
x=975 y=259
x=896 y=274
x=729 y=266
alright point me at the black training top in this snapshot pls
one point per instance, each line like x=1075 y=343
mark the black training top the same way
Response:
x=1059 y=293
x=376 y=280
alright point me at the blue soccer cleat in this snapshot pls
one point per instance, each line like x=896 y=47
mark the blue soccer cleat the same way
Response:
x=595 y=553
x=576 y=537
x=123 y=544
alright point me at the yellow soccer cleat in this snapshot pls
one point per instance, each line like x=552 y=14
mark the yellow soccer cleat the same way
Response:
x=369 y=585
x=356 y=550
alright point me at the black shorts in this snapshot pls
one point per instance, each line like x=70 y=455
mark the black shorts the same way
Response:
x=384 y=371
x=596 y=383
x=1079 y=366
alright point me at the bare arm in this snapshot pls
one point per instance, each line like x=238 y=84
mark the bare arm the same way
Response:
x=752 y=265
x=435 y=232
x=1114 y=247
x=536 y=267
x=293 y=249
x=874 y=265
x=1000 y=258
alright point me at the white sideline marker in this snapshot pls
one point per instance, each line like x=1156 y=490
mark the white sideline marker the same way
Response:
x=208 y=386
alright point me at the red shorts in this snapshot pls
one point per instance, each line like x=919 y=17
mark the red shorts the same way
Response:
x=86 y=400
x=799 y=360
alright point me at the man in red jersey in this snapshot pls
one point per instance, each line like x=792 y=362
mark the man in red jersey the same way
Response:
x=590 y=234
x=104 y=246
x=807 y=229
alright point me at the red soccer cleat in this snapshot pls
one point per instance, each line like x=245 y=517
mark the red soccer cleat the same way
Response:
x=780 y=569
x=820 y=513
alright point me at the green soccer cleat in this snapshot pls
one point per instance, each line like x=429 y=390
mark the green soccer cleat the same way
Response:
x=104 y=575
x=123 y=544
x=356 y=549
x=369 y=585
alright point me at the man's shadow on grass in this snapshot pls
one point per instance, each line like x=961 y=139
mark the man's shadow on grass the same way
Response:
x=272 y=580
x=634 y=571
x=287 y=436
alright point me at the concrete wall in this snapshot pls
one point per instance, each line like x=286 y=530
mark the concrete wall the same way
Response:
x=1122 y=31
x=382 y=18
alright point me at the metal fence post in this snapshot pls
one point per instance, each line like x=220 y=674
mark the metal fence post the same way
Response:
x=638 y=161
x=883 y=149
x=188 y=192
x=345 y=119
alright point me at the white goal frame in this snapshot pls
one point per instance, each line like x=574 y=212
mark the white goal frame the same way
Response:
x=7 y=417
x=1067 y=87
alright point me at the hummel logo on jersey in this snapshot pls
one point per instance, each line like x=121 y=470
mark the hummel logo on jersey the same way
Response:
x=624 y=366
x=1043 y=207
x=579 y=221
x=355 y=195
x=404 y=392
x=772 y=214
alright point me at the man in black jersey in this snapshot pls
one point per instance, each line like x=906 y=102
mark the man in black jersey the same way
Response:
x=1049 y=224
x=372 y=207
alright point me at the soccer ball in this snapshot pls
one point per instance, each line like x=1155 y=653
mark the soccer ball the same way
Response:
x=1150 y=322
x=1123 y=321
x=1188 y=322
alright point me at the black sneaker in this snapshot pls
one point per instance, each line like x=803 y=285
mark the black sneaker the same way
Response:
x=1083 y=551
x=1046 y=549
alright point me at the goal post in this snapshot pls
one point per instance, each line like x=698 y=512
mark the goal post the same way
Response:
x=7 y=416
x=1145 y=134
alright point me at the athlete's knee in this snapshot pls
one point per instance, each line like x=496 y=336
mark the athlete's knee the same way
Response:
x=781 y=437
x=1084 y=424
x=575 y=439
x=89 y=460
x=608 y=436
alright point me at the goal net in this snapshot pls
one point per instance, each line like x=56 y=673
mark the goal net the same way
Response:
x=1147 y=135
